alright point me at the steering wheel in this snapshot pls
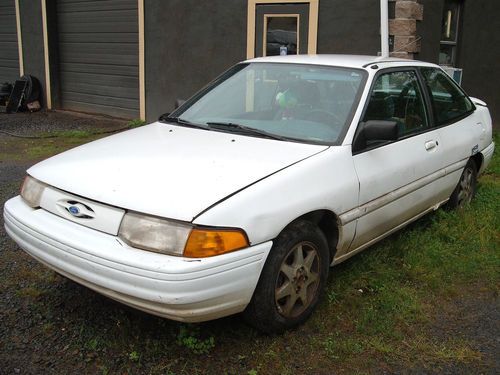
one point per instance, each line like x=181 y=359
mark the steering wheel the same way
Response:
x=322 y=116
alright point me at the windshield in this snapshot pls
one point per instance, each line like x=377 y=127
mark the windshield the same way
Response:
x=296 y=102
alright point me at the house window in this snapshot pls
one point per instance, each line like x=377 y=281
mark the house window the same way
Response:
x=281 y=34
x=449 y=33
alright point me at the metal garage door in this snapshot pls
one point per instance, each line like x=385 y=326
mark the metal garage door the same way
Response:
x=99 y=56
x=9 y=55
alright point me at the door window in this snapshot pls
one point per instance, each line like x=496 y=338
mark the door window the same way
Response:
x=448 y=101
x=397 y=96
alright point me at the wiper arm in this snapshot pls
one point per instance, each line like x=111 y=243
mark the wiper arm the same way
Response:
x=245 y=129
x=183 y=122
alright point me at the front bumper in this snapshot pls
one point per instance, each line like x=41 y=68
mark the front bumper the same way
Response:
x=190 y=290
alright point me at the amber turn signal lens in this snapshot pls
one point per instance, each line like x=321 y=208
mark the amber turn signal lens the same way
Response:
x=207 y=243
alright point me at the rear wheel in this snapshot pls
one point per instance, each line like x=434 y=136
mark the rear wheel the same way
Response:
x=466 y=188
x=292 y=280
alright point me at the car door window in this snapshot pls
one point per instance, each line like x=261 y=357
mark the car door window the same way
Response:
x=449 y=102
x=396 y=96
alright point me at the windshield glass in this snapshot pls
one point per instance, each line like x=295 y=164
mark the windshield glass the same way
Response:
x=298 y=102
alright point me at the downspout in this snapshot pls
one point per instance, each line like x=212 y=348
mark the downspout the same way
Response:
x=384 y=27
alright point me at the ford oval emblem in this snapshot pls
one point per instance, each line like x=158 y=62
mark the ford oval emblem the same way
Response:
x=74 y=210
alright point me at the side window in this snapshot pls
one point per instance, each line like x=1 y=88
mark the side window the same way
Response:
x=397 y=96
x=448 y=101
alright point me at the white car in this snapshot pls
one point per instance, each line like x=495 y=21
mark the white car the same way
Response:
x=242 y=198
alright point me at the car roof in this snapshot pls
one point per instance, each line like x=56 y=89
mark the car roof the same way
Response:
x=350 y=61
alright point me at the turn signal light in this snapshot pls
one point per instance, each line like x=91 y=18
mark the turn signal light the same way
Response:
x=206 y=243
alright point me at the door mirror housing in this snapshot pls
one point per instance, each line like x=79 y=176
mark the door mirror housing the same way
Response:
x=375 y=132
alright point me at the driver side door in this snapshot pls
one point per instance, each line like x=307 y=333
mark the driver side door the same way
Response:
x=399 y=180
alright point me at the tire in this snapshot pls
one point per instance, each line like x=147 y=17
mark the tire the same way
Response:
x=295 y=270
x=466 y=187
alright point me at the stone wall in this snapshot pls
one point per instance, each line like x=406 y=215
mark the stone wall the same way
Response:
x=403 y=28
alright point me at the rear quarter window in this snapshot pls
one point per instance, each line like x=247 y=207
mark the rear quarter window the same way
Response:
x=449 y=102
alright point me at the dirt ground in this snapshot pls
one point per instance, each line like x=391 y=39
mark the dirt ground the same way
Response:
x=50 y=325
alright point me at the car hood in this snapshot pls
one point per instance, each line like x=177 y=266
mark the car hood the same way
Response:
x=168 y=170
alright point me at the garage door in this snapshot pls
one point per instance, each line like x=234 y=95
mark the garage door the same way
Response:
x=99 y=56
x=9 y=55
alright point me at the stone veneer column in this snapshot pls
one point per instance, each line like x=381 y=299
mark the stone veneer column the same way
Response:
x=404 y=28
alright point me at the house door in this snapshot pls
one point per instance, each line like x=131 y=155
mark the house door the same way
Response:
x=98 y=48
x=281 y=28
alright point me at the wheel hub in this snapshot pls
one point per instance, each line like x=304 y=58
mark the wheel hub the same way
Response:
x=300 y=278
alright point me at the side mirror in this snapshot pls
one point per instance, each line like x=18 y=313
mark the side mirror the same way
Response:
x=374 y=131
x=380 y=130
x=178 y=103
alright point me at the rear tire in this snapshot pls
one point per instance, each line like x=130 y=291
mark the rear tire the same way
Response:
x=292 y=280
x=466 y=187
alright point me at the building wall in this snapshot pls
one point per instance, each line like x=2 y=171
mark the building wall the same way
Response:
x=429 y=29
x=187 y=44
x=185 y=49
x=339 y=27
x=479 y=52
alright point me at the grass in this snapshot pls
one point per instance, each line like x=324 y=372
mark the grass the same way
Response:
x=383 y=308
x=135 y=123
x=19 y=149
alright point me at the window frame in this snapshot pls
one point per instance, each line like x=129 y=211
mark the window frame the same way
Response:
x=312 y=40
x=453 y=43
x=429 y=111
x=428 y=90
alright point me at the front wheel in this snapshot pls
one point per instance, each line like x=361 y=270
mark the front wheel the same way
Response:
x=292 y=280
x=466 y=188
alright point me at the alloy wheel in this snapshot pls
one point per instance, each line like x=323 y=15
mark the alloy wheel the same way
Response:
x=466 y=187
x=298 y=280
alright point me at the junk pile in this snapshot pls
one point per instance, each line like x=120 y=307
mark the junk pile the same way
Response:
x=24 y=95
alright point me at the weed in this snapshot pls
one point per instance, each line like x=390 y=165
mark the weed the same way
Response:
x=189 y=337
x=337 y=347
x=332 y=297
x=135 y=123
x=134 y=356
x=92 y=344
x=73 y=134
x=29 y=292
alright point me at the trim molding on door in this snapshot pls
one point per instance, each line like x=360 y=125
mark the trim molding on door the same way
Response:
x=19 y=39
x=142 y=75
x=392 y=196
x=48 y=94
x=349 y=254
x=313 y=23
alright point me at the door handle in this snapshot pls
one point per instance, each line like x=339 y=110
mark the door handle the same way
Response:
x=429 y=145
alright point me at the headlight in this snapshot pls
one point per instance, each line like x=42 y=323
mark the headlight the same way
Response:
x=170 y=237
x=32 y=191
x=154 y=234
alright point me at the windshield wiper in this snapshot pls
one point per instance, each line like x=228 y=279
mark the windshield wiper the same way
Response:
x=183 y=122
x=243 y=129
